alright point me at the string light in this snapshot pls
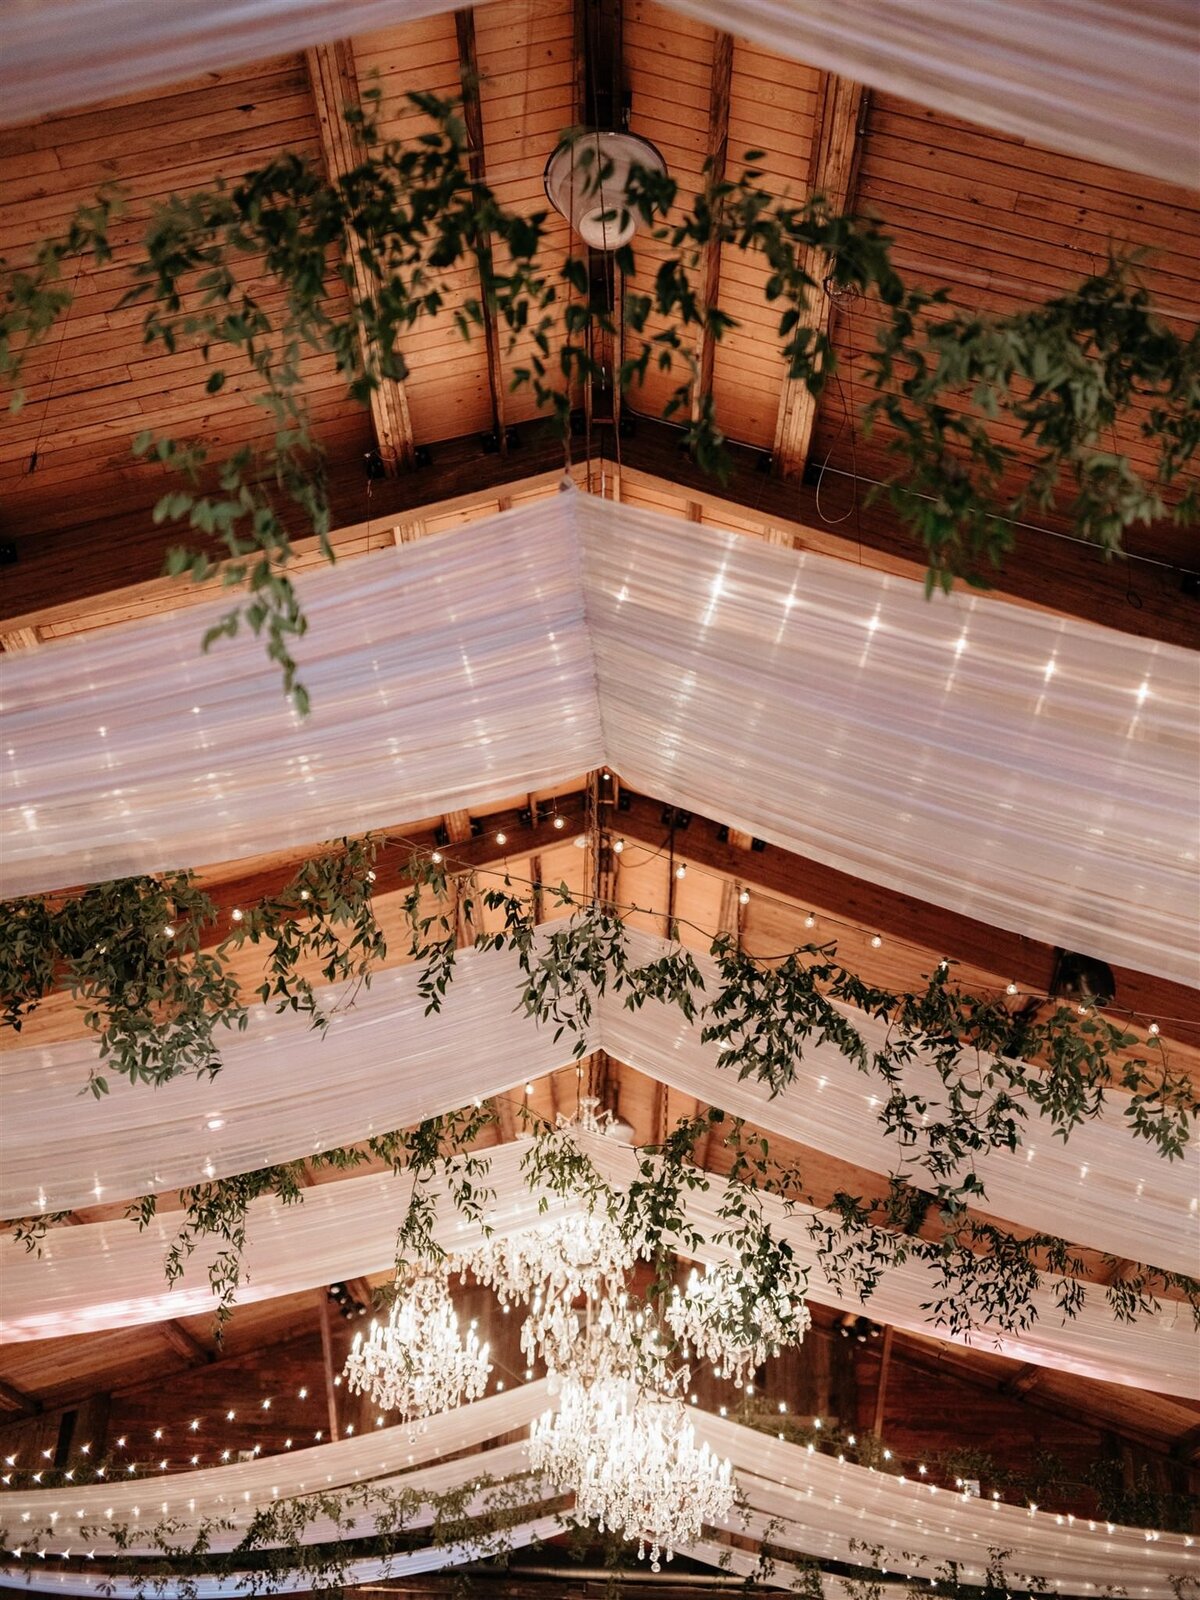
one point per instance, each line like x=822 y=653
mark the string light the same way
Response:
x=501 y=838
x=876 y=941
x=581 y=841
x=1153 y=1030
x=1011 y=989
x=810 y=921
x=681 y=870
x=436 y=858
x=236 y=914
x=618 y=846
x=560 y=823
x=168 y=932
x=744 y=898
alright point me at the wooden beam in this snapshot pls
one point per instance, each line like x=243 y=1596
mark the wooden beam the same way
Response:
x=17 y=1400
x=472 y=110
x=1022 y=1381
x=885 y=1362
x=322 y=1299
x=831 y=172
x=717 y=151
x=185 y=1344
x=334 y=81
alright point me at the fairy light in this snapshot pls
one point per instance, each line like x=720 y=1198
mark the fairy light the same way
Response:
x=876 y=941
x=1153 y=1030
x=168 y=932
x=302 y=1394
x=810 y=921
x=618 y=846
x=501 y=838
x=560 y=823
x=681 y=870
x=1011 y=988
x=436 y=858
x=237 y=914
x=528 y=1088
x=744 y=898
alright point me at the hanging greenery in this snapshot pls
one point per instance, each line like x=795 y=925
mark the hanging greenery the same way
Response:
x=997 y=1069
x=409 y=217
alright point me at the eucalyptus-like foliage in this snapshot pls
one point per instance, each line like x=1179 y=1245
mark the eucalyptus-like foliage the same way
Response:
x=355 y=262
x=997 y=1069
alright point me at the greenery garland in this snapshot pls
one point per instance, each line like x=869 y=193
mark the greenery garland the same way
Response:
x=1063 y=374
x=155 y=1001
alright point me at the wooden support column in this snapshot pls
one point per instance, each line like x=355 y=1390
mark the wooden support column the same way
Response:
x=832 y=170
x=327 y=1360
x=710 y=264
x=334 y=82
x=468 y=69
x=600 y=86
x=885 y=1363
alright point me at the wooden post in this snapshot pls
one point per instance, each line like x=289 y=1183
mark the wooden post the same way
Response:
x=327 y=1356
x=832 y=171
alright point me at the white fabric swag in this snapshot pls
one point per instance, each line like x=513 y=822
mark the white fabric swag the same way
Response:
x=287 y=1091
x=1032 y=771
x=1099 y=78
x=815 y=1504
x=110 y=1274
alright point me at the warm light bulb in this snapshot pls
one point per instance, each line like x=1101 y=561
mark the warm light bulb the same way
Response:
x=581 y=842
x=501 y=838
x=876 y=941
x=810 y=921
x=560 y=823
x=1012 y=989
x=1153 y=1030
x=436 y=858
x=528 y=1088
x=744 y=897
x=168 y=932
x=618 y=846
x=236 y=914
x=681 y=870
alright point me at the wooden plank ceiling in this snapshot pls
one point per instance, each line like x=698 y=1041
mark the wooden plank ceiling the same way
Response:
x=999 y=223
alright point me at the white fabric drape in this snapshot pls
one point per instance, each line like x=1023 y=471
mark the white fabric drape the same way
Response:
x=432 y=1559
x=242 y=1486
x=1098 y=78
x=1029 y=770
x=798 y=1498
x=286 y=1091
x=109 y=1275
x=830 y=1503
x=461 y=677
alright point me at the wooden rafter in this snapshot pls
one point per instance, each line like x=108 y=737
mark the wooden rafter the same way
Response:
x=718 y=146
x=832 y=168
x=17 y=1400
x=472 y=110
x=334 y=82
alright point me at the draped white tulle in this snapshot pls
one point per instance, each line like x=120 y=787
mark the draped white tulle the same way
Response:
x=286 y=1091
x=110 y=1274
x=797 y=1498
x=1097 y=78
x=1026 y=769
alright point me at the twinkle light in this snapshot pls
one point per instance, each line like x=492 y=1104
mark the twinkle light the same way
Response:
x=168 y=932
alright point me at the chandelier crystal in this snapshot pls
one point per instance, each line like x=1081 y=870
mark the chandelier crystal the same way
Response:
x=721 y=1319
x=417 y=1363
x=631 y=1459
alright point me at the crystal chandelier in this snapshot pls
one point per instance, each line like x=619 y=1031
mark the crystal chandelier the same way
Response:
x=720 y=1318
x=417 y=1363
x=631 y=1459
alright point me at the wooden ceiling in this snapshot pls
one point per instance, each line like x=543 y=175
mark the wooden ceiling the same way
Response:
x=999 y=223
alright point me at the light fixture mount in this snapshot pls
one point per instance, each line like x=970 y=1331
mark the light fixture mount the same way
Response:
x=587 y=177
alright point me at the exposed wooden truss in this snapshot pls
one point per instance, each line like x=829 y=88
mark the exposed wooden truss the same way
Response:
x=831 y=173
x=335 y=86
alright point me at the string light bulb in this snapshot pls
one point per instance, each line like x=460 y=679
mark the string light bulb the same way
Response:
x=1153 y=1030
x=436 y=858
x=681 y=870
x=876 y=941
x=744 y=898
x=501 y=838
x=1011 y=988
x=237 y=914
x=810 y=921
x=618 y=846
x=168 y=932
x=560 y=823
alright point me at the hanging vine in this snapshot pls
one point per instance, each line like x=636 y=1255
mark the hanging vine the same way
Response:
x=1061 y=374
